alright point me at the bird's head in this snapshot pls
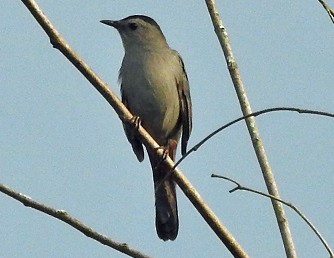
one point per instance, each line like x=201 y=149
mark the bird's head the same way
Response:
x=138 y=31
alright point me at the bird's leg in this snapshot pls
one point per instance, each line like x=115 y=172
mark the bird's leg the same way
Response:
x=168 y=150
x=164 y=155
x=172 y=144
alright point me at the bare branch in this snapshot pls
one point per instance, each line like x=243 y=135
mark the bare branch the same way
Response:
x=252 y=128
x=328 y=10
x=308 y=222
x=257 y=113
x=254 y=114
x=75 y=223
x=58 y=42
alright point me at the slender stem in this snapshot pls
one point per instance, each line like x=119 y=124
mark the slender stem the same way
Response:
x=254 y=114
x=298 y=211
x=328 y=10
x=257 y=113
x=252 y=129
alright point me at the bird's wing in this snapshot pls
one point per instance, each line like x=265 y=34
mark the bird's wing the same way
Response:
x=185 y=103
x=130 y=132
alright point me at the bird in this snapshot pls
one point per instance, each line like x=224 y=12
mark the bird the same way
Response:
x=155 y=88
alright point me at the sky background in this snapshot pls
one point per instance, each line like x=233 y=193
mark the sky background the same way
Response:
x=62 y=144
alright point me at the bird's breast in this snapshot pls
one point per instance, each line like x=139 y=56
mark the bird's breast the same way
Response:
x=149 y=84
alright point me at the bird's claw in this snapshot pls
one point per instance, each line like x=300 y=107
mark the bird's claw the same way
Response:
x=134 y=121
x=165 y=153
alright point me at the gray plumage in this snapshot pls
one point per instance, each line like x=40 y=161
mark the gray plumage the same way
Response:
x=154 y=86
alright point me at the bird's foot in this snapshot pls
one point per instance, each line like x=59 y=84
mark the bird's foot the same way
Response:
x=168 y=150
x=131 y=125
x=134 y=121
x=165 y=153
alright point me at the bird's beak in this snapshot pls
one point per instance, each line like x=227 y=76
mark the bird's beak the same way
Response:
x=114 y=24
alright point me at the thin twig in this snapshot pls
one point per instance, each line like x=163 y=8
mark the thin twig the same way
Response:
x=328 y=10
x=75 y=223
x=267 y=173
x=59 y=43
x=254 y=114
x=257 y=113
x=314 y=229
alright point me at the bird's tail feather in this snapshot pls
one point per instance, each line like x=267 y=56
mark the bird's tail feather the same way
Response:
x=166 y=220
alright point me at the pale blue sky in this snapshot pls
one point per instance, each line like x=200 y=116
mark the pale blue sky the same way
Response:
x=62 y=144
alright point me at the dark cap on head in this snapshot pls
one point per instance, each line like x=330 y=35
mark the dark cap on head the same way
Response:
x=136 y=16
x=144 y=18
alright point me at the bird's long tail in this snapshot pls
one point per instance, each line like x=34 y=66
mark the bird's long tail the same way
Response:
x=166 y=220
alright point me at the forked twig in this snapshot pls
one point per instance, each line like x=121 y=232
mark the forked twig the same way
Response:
x=257 y=113
x=308 y=222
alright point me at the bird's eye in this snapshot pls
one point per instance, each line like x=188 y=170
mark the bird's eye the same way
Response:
x=133 y=26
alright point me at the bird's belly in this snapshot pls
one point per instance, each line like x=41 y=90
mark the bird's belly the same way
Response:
x=155 y=100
